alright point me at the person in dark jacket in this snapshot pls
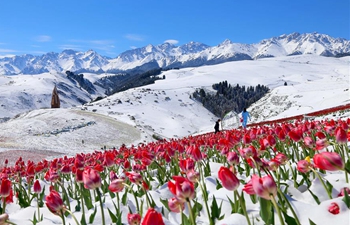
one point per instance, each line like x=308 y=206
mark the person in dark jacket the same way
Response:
x=217 y=126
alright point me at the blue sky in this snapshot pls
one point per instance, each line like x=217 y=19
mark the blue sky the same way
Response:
x=111 y=27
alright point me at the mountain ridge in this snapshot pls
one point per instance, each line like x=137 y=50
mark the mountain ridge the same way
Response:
x=167 y=55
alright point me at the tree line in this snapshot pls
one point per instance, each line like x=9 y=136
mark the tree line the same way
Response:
x=229 y=98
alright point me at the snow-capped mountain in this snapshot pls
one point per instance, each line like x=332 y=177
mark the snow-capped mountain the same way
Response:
x=167 y=55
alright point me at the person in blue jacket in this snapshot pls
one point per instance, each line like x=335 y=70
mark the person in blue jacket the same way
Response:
x=245 y=116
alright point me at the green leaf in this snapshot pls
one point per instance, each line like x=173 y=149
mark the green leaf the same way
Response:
x=125 y=198
x=165 y=203
x=346 y=199
x=218 y=185
x=77 y=207
x=87 y=198
x=289 y=220
x=92 y=216
x=266 y=210
x=215 y=210
x=311 y=222
x=315 y=197
x=112 y=215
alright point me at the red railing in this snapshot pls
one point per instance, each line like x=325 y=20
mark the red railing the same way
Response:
x=299 y=117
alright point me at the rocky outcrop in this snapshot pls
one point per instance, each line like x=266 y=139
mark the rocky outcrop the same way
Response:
x=55 y=101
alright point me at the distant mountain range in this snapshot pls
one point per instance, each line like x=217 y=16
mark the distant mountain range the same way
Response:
x=166 y=55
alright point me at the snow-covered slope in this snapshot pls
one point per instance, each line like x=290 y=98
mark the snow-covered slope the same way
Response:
x=165 y=109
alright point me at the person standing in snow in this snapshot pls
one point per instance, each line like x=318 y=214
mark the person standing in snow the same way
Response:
x=245 y=116
x=217 y=126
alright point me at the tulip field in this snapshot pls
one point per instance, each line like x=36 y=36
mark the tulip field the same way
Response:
x=290 y=172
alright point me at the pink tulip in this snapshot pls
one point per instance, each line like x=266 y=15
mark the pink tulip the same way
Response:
x=232 y=158
x=91 y=179
x=175 y=205
x=134 y=219
x=265 y=187
x=134 y=177
x=331 y=161
x=281 y=158
x=183 y=189
x=116 y=185
x=228 y=179
x=304 y=166
x=193 y=176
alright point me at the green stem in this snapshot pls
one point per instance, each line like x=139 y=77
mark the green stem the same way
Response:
x=101 y=205
x=277 y=209
x=62 y=217
x=245 y=213
x=82 y=203
x=3 y=205
x=205 y=198
x=322 y=182
x=193 y=221
x=37 y=199
x=75 y=219
x=291 y=208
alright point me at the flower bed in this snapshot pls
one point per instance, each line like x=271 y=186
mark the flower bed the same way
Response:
x=267 y=174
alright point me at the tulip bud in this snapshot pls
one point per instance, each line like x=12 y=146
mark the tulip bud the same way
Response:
x=152 y=217
x=5 y=188
x=54 y=202
x=331 y=161
x=265 y=187
x=37 y=187
x=304 y=166
x=228 y=179
x=175 y=205
x=91 y=179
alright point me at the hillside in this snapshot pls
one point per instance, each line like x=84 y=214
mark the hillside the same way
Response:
x=165 y=110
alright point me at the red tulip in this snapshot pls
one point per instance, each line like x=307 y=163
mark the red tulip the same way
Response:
x=334 y=208
x=55 y=203
x=5 y=188
x=195 y=152
x=331 y=161
x=134 y=219
x=228 y=179
x=248 y=188
x=340 y=135
x=343 y=190
x=295 y=135
x=183 y=189
x=91 y=179
x=265 y=187
x=37 y=187
x=152 y=217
